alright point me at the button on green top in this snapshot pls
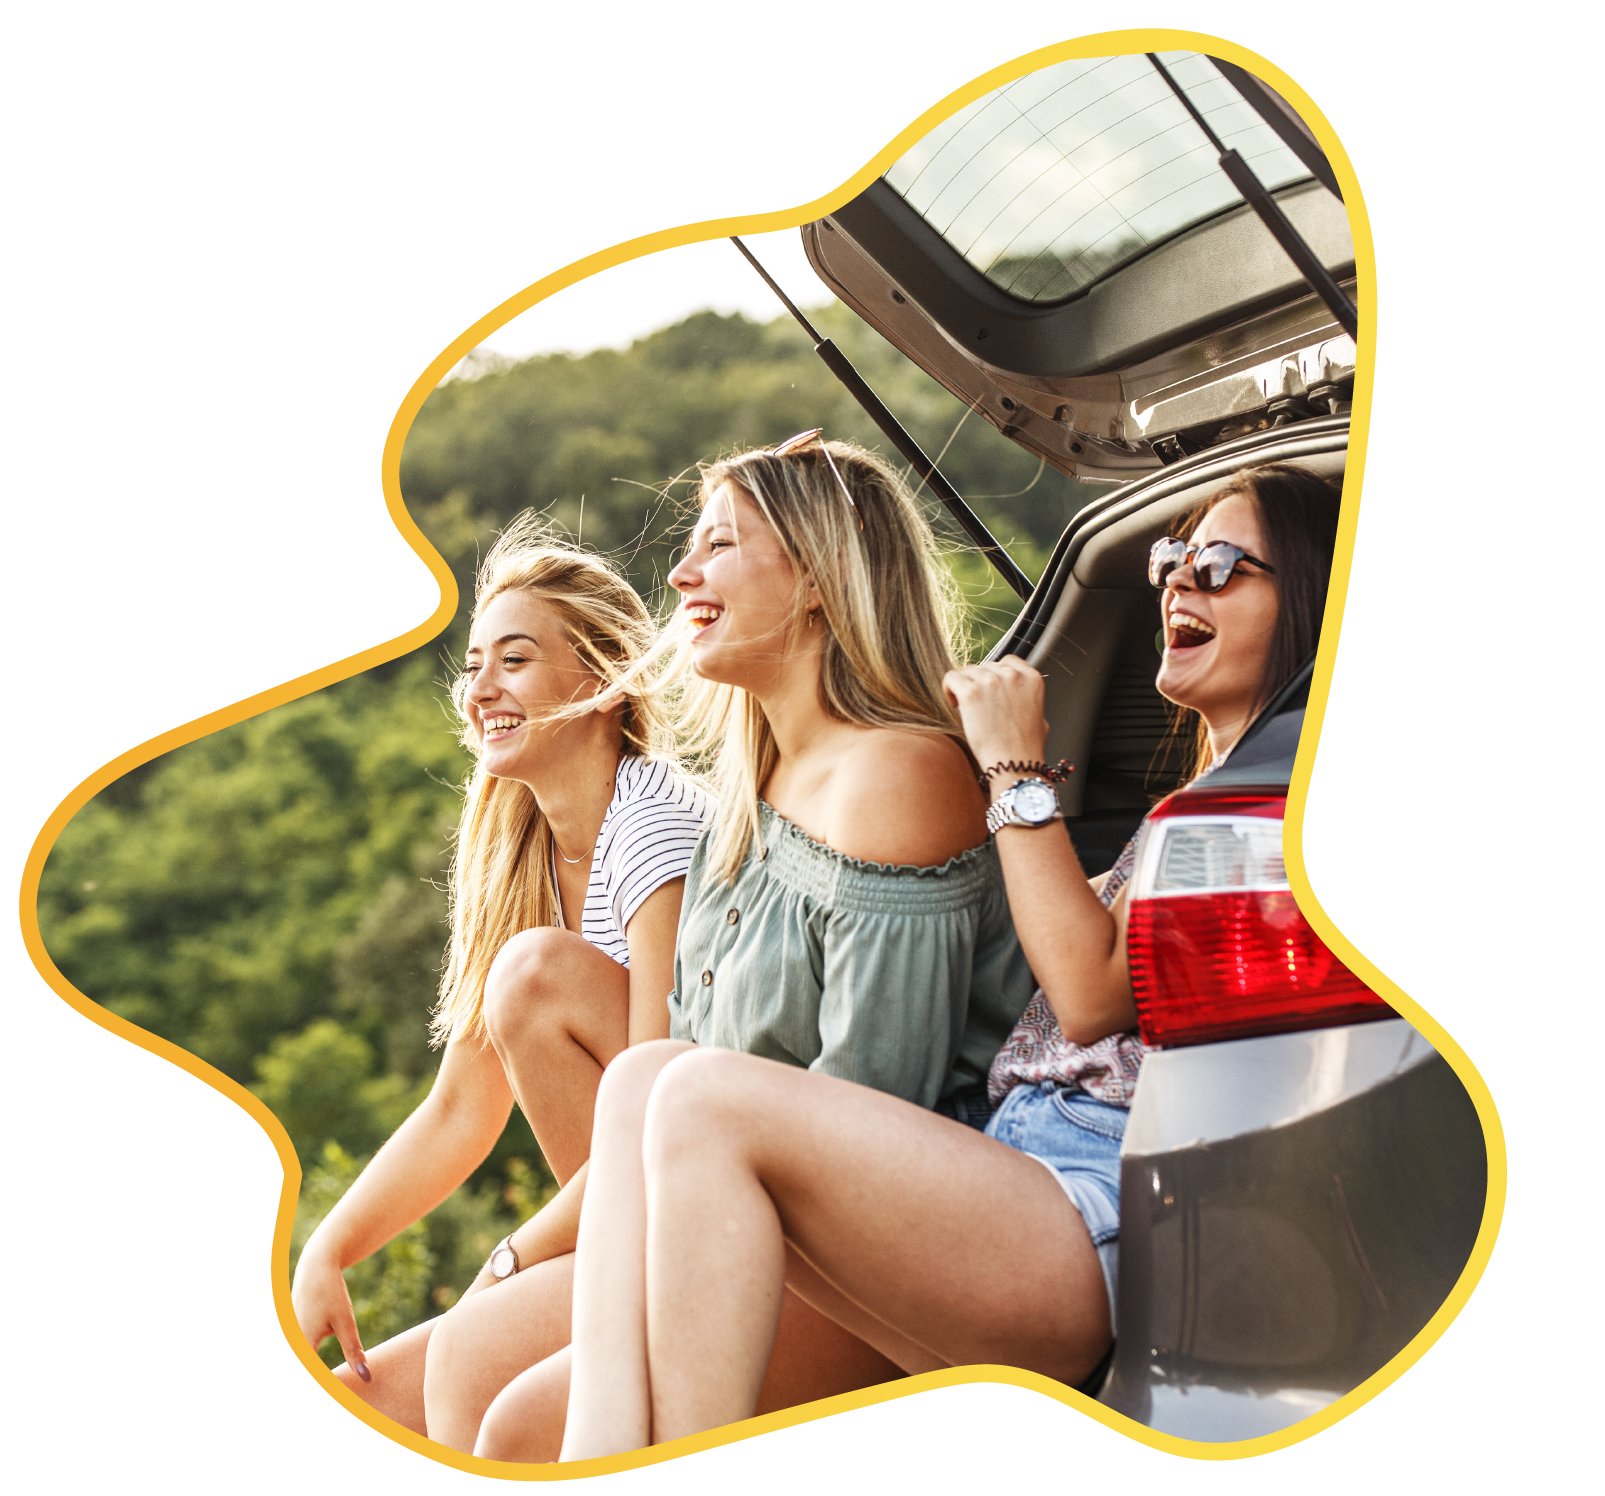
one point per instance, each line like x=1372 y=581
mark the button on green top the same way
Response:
x=907 y=979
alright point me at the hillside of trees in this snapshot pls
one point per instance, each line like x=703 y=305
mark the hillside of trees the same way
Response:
x=270 y=898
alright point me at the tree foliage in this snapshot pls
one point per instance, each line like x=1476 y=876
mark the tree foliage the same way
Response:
x=270 y=898
x=607 y=444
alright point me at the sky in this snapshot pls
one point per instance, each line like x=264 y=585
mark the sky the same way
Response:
x=614 y=308
x=321 y=199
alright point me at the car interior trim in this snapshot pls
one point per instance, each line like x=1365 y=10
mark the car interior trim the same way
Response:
x=1203 y=279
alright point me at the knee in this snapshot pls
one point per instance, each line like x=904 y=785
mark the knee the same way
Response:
x=525 y=983
x=525 y=1422
x=702 y=1096
x=630 y=1076
x=441 y=1363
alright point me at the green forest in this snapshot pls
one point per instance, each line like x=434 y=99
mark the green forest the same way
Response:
x=271 y=897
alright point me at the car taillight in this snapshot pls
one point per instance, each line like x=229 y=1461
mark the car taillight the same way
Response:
x=1216 y=944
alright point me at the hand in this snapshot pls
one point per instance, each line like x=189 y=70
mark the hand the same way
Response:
x=323 y=1308
x=1000 y=705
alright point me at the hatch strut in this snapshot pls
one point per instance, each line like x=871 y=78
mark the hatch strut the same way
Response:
x=1255 y=195
x=836 y=361
x=1278 y=114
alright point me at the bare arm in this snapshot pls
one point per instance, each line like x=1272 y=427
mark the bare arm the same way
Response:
x=431 y=1153
x=651 y=935
x=1076 y=947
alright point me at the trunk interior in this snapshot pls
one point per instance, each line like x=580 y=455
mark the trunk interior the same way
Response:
x=1090 y=627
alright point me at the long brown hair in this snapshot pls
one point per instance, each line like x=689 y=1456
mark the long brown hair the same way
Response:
x=1298 y=518
x=501 y=872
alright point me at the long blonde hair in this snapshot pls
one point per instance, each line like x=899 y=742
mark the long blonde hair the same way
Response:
x=501 y=871
x=892 y=621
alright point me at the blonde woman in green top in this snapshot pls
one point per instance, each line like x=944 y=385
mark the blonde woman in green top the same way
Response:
x=845 y=912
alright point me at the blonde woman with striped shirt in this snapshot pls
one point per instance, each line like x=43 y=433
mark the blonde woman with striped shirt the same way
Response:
x=576 y=833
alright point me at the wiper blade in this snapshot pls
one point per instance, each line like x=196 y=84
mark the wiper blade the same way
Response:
x=1254 y=194
x=930 y=476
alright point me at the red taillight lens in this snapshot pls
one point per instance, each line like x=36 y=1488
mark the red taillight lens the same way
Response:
x=1217 y=946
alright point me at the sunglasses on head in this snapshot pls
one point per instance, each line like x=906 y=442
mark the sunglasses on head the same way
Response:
x=1213 y=563
x=807 y=438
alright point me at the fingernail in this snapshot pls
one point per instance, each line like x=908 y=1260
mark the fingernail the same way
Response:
x=362 y=1371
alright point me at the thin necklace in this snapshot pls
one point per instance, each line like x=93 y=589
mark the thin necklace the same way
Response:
x=571 y=860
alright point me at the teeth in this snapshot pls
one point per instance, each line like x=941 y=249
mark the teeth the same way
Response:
x=702 y=615
x=1187 y=621
x=501 y=724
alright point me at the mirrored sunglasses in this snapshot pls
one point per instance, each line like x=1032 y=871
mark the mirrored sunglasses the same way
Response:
x=1213 y=564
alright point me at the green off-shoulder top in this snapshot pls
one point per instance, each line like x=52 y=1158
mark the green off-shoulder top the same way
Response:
x=907 y=979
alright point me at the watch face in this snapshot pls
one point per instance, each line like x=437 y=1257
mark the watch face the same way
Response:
x=501 y=1261
x=1034 y=801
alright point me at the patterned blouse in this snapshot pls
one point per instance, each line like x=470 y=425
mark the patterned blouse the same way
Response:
x=1037 y=1051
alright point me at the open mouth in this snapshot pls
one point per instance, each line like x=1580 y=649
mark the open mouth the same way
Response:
x=1183 y=631
x=703 y=615
x=500 y=726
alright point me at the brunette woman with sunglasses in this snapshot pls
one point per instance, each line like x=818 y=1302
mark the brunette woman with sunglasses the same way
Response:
x=934 y=1243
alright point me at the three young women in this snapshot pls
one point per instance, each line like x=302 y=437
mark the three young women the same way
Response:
x=565 y=895
x=722 y=1180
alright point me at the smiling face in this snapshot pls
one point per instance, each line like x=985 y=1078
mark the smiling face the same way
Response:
x=738 y=591
x=521 y=666
x=1216 y=644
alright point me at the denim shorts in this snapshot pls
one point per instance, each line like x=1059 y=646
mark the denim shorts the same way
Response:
x=1078 y=1140
x=968 y=1105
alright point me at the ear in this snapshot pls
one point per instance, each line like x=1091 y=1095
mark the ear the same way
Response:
x=811 y=598
x=604 y=708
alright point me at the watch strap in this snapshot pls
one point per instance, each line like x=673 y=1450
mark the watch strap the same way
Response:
x=1004 y=814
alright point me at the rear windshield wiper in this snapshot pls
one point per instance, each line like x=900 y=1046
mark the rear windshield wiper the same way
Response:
x=1270 y=214
x=836 y=361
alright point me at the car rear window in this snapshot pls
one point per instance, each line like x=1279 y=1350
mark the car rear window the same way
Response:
x=1062 y=176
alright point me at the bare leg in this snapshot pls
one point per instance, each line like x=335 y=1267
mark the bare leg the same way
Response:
x=960 y=1245
x=557 y=1011
x=485 y=1341
x=525 y=1423
x=609 y=1398
x=813 y=1358
x=397 y=1369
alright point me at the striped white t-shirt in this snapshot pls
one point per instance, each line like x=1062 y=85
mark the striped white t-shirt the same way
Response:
x=647 y=838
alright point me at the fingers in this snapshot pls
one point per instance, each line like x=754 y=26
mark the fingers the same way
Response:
x=344 y=1329
x=1012 y=667
x=323 y=1308
x=1007 y=676
x=1000 y=706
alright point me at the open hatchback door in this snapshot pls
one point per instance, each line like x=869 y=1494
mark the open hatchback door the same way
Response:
x=1139 y=269
x=1067 y=256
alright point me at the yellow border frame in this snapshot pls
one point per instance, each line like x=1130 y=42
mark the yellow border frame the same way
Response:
x=1104 y=44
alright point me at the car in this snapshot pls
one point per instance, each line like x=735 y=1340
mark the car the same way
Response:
x=1076 y=258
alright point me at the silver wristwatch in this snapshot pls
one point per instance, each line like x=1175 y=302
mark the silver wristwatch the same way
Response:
x=504 y=1260
x=1026 y=802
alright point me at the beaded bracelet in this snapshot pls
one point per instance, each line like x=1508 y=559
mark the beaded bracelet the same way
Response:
x=1060 y=772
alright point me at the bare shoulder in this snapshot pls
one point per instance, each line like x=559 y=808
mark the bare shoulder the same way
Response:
x=906 y=798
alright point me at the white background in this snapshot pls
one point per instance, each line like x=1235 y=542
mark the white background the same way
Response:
x=237 y=235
